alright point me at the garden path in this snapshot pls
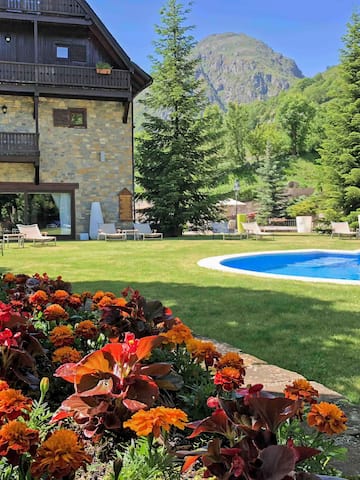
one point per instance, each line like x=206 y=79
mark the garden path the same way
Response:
x=274 y=380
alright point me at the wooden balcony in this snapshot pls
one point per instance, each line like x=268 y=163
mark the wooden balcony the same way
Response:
x=59 y=79
x=19 y=147
x=56 y=7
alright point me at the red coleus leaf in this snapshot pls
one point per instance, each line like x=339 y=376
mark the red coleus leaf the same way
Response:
x=274 y=411
x=278 y=461
x=134 y=405
x=146 y=345
x=189 y=462
x=156 y=369
x=103 y=387
x=302 y=453
x=218 y=422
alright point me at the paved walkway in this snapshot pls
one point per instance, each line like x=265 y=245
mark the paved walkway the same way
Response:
x=275 y=379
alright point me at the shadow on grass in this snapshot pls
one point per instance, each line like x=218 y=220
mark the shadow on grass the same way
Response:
x=300 y=333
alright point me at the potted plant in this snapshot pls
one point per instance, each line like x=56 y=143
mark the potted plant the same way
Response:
x=103 y=68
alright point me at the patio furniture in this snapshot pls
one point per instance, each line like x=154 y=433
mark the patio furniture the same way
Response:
x=32 y=233
x=146 y=231
x=342 y=229
x=252 y=229
x=108 y=231
x=16 y=237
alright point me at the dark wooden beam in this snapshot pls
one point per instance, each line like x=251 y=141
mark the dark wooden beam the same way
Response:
x=31 y=158
x=10 y=187
x=126 y=112
x=28 y=17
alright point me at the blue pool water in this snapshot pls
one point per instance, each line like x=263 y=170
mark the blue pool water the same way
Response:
x=306 y=265
x=313 y=264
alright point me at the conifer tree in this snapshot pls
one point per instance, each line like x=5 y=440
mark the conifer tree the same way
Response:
x=176 y=159
x=340 y=151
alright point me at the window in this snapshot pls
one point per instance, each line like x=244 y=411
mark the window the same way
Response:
x=71 y=53
x=71 y=117
x=62 y=52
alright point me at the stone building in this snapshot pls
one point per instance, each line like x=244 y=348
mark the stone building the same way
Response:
x=66 y=130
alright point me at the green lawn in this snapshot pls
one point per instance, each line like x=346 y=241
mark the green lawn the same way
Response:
x=311 y=328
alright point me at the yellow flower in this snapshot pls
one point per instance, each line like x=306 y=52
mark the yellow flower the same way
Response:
x=145 y=422
x=327 y=418
x=59 y=456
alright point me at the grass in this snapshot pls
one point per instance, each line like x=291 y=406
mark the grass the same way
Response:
x=311 y=328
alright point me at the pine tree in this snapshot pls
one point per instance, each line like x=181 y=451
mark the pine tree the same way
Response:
x=176 y=158
x=340 y=151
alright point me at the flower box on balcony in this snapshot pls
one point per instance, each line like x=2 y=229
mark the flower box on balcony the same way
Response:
x=103 y=68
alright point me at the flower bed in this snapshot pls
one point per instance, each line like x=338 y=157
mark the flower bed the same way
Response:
x=118 y=385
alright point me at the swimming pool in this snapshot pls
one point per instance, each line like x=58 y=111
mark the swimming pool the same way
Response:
x=305 y=265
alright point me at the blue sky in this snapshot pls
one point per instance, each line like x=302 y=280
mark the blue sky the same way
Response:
x=308 y=31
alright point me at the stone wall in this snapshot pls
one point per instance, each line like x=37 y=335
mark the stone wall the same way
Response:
x=72 y=155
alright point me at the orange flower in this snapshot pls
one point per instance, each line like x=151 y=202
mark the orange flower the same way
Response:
x=105 y=302
x=179 y=333
x=9 y=278
x=301 y=389
x=60 y=296
x=120 y=302
x=66 y=355
x=16 y=439
x=55 y=312
x=3 y=385
x=62 y=336
x=110 y=295
x=13 y=403
x=152 y=421
x=229 y=378
x=60 y=456
x=86 y=329
x=75 y=300
x=98 y=296
x=231 y=359
x=39 y=298
x=327 y=418
x=202 y=351
x=85 y=295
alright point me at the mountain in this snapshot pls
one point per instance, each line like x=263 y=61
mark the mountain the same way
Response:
x=238 y=68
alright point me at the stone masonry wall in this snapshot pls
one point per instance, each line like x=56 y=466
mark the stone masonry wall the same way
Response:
x=72 y=155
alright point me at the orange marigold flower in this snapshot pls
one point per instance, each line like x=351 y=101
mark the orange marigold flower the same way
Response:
x=152 y=421
x=16 y=439
x=110 y=295
x=179 y=333
x=55 y=312
x=105 y=302
x=229 y=378
x=39 y=298
x=13 y=403
x=60 y=456
x=301 y=389
x=327 y=418
x=86 y=295
x=120 y=302
x=3 y=385
x=86 y=329
x=60 y=296
x=98 y=296
x=202 y=351
x=231 y=359
x=62 y=336
x=66 y=355
x=75 y=300
x=9 y=278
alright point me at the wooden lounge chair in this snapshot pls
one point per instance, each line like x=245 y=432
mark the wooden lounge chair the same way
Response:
x=146 y=233
x=252 y=229
x=108 y=231
x=32 y=234
x=342 y=229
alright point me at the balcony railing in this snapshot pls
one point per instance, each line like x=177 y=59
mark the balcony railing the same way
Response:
x=62 y=75
x=43 y=6
x=19 y=144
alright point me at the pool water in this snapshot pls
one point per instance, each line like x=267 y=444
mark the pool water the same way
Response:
x=317 y=265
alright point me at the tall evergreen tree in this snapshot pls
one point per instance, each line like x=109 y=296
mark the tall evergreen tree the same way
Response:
x=176 y=159
x=340 y=151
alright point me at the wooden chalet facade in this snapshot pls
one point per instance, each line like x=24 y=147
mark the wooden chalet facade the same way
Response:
x=66 y=131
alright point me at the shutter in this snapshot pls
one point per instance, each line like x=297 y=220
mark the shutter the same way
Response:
x=78 y=53
x=61 y=117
